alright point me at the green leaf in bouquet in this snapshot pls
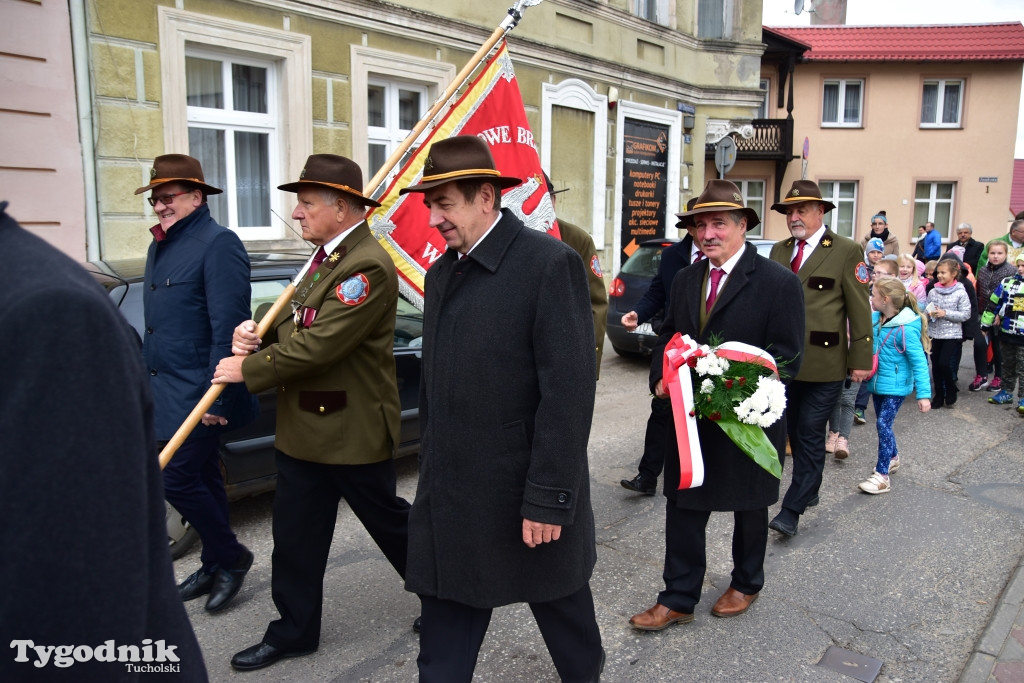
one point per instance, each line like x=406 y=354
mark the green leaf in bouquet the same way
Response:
x=751 y=440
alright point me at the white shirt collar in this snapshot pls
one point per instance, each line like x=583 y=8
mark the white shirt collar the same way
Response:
x=482 y=237
x=333 y=244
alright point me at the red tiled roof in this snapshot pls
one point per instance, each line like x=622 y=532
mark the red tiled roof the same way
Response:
x=1017 y=189
x=951 y=43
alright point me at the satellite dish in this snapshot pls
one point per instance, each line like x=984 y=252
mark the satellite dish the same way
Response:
x=798 y=7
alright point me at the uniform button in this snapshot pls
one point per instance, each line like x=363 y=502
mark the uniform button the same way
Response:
x=268 y=358
x=826 y=343
x=149 y=330
x=562 y=498
x=321 y=410
x=152 y=287
x=820 y=286
x=152 y=372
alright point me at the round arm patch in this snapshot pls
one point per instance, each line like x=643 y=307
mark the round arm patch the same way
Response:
x=354 y=290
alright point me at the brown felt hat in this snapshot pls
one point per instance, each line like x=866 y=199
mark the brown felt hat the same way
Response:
x=464 y=157
x=802 y=191
x=177 y=168
x=720 y=195
x=331 y=170
x=685 y=221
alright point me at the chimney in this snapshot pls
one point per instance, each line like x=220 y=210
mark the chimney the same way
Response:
x=829 y=12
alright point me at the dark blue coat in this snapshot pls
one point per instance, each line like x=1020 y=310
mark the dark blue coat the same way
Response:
x=673 y=259
x=196 y=292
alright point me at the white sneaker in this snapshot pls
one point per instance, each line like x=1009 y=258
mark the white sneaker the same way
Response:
x=876 y=483
x=830 y=442
x=842 y=448
x=894 y=464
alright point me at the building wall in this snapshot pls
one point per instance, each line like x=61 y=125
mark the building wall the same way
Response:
x=890 y=153
x=597 y=49
x=41 y=172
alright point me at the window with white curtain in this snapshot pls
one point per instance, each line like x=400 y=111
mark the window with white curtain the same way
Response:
x=233 y=132
x=393 y=109
x=713 y=18
x=753 y=198
x=841 y=102
x=842 y=193
x=941 y=103
x=934 y=202
x=652 y=10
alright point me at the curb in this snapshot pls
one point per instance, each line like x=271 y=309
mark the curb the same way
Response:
x=996 y=646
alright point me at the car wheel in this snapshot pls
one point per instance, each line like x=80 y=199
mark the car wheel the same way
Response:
x=180 y=534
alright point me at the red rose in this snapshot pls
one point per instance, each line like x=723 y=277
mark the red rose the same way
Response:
x=728 y=384
x=715 y=416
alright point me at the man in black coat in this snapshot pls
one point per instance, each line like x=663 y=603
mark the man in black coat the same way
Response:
x=84 y=528
x=654 y=301
x=973 y=249
x=502 y=511
x=736 y=296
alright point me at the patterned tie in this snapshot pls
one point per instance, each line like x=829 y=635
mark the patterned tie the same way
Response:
x=309 y=314
x=799 y=258
x=715 y=278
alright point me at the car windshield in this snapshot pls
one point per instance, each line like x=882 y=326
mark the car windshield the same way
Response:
x=644 y=261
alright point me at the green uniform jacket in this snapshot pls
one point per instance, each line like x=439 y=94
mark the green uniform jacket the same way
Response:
x=583 y=244
x=337 y=397
x=835 y=282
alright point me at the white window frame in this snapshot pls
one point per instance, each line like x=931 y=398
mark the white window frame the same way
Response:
x=641 y=8
x=576 y=94
x=834 y=197
x=231 y=121
x=744 y=185
x=371 y=64
x=728 y=11
x=290 y=56
x=841 y=103
x=390 y=134
x=940 y=102
x=764 y=110
x=933 y=201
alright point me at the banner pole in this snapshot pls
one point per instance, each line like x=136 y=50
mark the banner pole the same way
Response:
x=515 y=15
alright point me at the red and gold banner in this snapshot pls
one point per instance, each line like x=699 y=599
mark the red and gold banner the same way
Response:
x=491 y=108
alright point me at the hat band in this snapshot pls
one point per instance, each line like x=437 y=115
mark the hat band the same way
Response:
x=160 y=181
x=458 y=174
x=731 y=205
x=802 y=199
x=337 y=186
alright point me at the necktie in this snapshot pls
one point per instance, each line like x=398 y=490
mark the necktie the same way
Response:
x=308 y=314
x=714 y=278
x=698 y=257
x=799 y=258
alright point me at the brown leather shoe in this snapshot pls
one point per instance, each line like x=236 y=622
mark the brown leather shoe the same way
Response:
x=657 y=618
x=733 y=603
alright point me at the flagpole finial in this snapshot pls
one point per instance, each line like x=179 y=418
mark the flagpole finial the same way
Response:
x=515 y=13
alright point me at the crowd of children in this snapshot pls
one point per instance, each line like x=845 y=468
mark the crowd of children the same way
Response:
x=926 y=311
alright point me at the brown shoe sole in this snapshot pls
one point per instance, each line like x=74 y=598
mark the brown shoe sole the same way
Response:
x=726 y=615
x=684 y=619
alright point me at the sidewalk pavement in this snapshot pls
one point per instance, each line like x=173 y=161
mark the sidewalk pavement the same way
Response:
x=998 y=655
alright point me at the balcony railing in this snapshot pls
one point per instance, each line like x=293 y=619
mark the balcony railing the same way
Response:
x=772 y=141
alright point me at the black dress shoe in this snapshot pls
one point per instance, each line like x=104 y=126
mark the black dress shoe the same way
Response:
x=227 y=582
x=199 y=583
x=813 y=501
x=261 y=655
x=417 y=625
x=785 y=522
x=640 y=484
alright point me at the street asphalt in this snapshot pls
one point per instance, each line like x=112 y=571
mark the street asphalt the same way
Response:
x=927 y=578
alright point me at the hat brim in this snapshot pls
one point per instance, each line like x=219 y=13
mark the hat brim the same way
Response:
x=786 y=204
x=208 y=189
x=502 y=181
x=752 y=218
x=296 y=186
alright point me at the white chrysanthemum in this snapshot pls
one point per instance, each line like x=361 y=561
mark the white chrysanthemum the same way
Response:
x=707 y=386
x=764 y=407
x=712 y=365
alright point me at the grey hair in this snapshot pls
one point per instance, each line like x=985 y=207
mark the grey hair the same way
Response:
x=965 y=226
x=736 y=215
x=1017 y=225
x=331 y=196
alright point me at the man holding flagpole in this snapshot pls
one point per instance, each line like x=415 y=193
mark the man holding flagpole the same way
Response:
x=734 y=295
x=337 y=403
x=502 y=511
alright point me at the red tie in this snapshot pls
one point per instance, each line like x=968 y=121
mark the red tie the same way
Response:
x=799 y=258
x=698 y=257
x=309 y=314
x=715 y=278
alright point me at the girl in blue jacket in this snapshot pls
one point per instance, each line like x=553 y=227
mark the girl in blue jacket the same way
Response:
x=901 y=343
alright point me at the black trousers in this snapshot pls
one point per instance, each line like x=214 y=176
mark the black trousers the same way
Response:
x=452 y=634
x=686 y=554
x=194 y=486
x=305 y=511
x=808 y=407
x=659 y=430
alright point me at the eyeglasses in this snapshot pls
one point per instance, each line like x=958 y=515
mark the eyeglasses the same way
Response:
x=164 y=199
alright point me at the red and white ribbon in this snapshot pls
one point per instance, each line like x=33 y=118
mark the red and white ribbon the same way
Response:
x=745 y=353
x=678 y=385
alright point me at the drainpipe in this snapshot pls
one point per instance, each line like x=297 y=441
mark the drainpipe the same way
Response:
x=86 y=124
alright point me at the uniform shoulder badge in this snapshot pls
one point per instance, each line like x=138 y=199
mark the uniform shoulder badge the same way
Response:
x=826 y=242
x=595 y=266
x=354 y=290
x=862 y=273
